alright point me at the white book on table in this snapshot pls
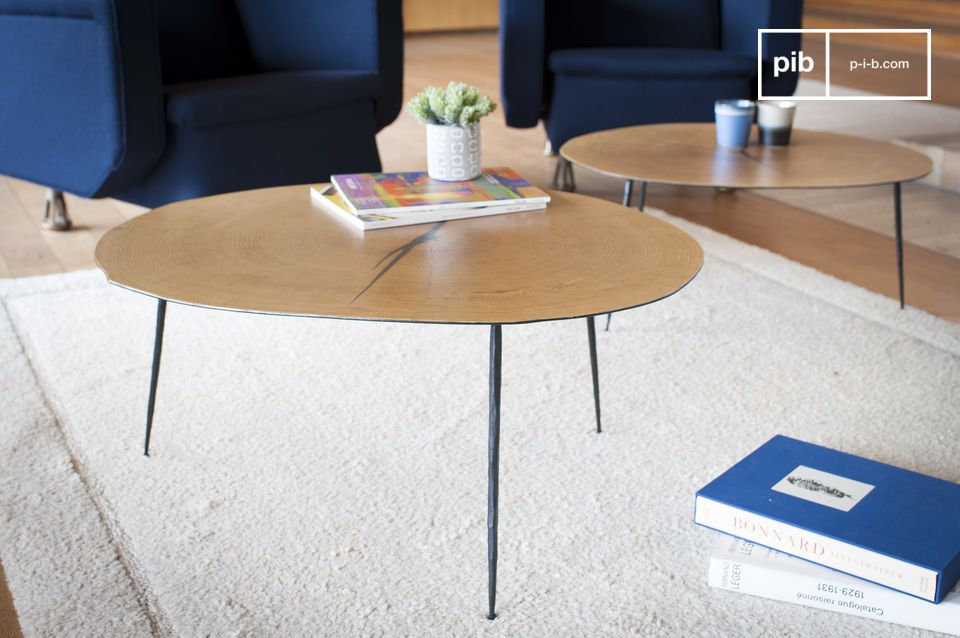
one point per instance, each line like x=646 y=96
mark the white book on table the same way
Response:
x=738 y=565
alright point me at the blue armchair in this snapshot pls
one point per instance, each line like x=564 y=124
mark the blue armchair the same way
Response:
x=589 y=66
x=153 y=101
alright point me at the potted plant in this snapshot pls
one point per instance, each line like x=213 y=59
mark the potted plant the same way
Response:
x=452 y=118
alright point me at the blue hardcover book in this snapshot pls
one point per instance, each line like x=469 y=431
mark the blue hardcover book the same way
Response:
x=891 y=526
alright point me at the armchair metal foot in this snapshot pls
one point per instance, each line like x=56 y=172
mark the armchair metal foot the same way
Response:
x=55 y=215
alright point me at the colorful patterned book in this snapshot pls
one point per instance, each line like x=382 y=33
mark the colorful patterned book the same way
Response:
x=328 y=198
x=400 y=193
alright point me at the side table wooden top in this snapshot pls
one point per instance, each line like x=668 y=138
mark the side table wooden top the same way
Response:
x=273 y=251
x=687 y=154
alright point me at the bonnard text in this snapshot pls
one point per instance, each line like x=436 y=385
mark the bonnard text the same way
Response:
x=799 y=544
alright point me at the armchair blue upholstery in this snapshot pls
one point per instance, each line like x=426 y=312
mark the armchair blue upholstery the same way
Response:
x=588 y=66
x=153 y=101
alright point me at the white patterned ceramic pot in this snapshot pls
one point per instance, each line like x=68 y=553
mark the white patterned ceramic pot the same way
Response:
x=453 y=152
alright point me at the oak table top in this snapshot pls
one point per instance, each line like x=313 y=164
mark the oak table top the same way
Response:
x=272 y=251
x=687 y=154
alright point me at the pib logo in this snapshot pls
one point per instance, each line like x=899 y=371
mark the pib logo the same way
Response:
x=796 y=62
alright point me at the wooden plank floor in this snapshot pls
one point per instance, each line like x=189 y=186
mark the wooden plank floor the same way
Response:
x=26 y=249
x=852 y=253
x=942 y=16
x=9 y=626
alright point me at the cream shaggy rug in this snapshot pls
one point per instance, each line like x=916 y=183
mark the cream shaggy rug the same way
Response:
x=316 y=477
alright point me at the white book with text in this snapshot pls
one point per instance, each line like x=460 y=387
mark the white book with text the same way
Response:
x=738 y=565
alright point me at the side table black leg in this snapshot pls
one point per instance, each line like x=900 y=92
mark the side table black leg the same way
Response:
x=592 y=337
x=627 y=192
x=563 y=175
x=557 y=174
x=643 y=196
x=155 y=373
x=898 y=207
x=493 y=468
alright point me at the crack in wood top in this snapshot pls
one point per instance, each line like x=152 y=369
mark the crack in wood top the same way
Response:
x=402 y=252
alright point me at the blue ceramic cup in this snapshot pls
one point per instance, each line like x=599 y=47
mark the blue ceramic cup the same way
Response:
x=734 y=121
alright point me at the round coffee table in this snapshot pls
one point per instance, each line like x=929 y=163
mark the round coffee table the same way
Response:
x=272 y=251
x=688 y=155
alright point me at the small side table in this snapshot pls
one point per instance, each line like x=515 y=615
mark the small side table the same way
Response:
x=688 y=155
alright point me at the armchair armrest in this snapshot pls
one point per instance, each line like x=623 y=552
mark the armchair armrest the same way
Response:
x=301 y=35
x=522 y=61
x=740 y=20
x=81 y=102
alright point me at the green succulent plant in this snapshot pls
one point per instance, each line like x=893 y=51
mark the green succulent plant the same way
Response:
x=458 y=105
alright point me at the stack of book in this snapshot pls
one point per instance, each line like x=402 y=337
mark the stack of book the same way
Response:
x=382 y=200
x=809 y=525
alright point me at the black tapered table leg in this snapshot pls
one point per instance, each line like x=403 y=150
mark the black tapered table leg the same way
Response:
x=643 y=196
x=898 y=207
x=563 y=175
x=592 y=338
x=557 y=174
x=493 y=467
x=627 y=192
x=155 y=373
